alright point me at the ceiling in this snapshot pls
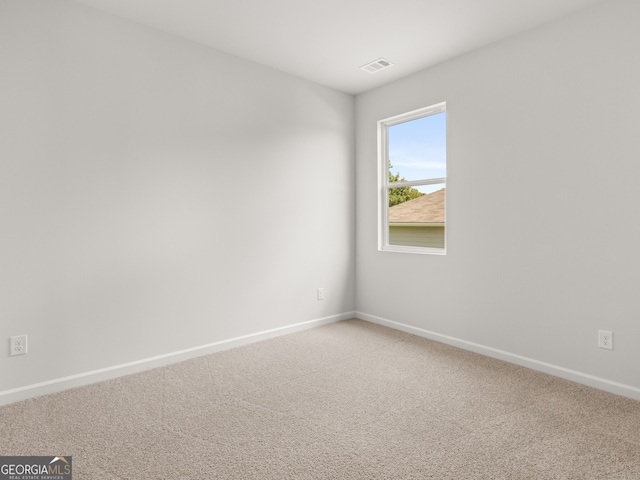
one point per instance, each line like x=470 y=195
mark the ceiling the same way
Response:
x=326 y=41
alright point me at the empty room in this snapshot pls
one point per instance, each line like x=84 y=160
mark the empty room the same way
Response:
x=303 y=239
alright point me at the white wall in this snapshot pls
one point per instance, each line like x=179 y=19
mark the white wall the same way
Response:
x=543 y=200
x=157 y=195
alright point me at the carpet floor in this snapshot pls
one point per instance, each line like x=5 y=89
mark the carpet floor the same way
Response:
x=350 y=400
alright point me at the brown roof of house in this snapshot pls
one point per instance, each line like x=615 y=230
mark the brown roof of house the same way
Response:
x=425 y=209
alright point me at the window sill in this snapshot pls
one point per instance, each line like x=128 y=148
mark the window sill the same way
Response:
x=418 y=250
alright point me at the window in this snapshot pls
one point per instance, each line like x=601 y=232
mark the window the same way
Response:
x=412 y=156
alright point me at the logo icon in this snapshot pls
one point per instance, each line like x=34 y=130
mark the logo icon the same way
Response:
x=36 y=468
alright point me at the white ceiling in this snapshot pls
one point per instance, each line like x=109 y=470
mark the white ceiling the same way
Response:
x=326 y=41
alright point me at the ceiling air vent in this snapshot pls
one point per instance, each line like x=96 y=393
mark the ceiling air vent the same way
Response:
x=376 y=65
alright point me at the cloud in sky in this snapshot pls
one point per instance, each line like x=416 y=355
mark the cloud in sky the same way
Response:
x=411 y=167
x=419 y=165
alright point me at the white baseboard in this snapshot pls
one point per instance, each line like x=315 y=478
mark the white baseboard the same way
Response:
x=572 y=375
x=86 y=378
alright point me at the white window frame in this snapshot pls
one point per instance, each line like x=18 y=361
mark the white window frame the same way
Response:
x=384 y=185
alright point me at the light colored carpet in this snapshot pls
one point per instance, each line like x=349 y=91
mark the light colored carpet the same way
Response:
x=345 y=401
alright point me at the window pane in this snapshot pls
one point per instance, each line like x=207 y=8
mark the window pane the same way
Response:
x=418 y=149
x=417 y=216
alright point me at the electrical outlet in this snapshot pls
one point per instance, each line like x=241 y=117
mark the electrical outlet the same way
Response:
x=18 y=345
x=321 y=294
x=605 y=339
